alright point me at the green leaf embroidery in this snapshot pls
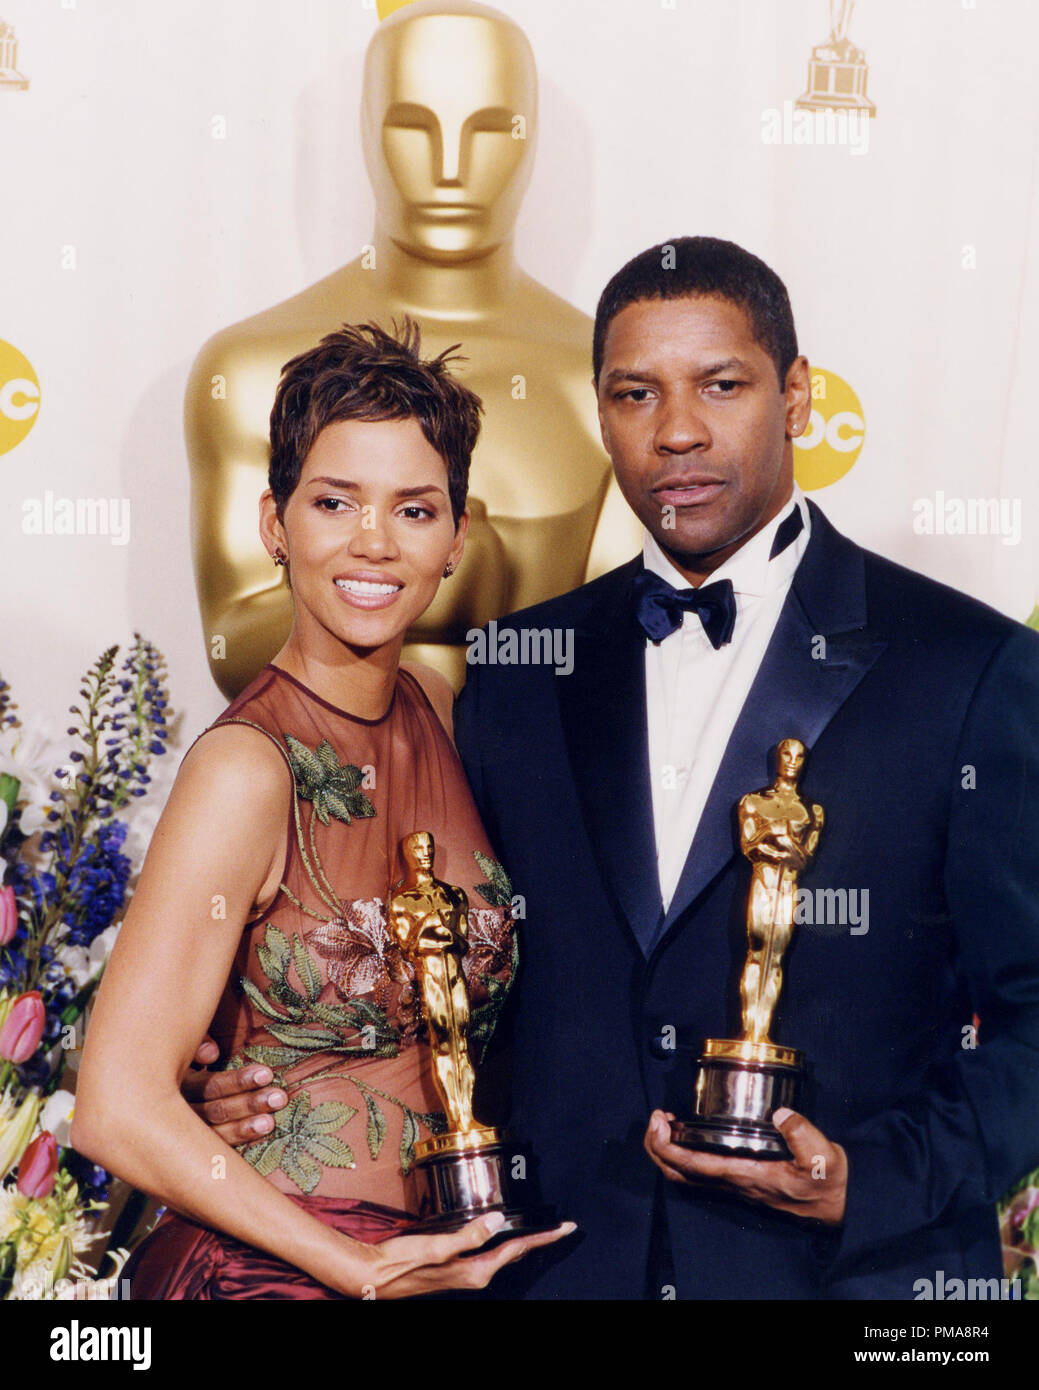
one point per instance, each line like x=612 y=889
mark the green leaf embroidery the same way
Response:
x=266 y=1155
x=498 y=892
x=297 y=1164
x=310 y=1039
x=332 y=1014
x=285 y=994
x=331 y=786
x=274 y=1056
x=303 y=1141
x=277 y=947
x=407 y=1141
x=260 y=1001
x=330 y=1115
x=377 y=1125
x=308 y=972
x=329 y=1150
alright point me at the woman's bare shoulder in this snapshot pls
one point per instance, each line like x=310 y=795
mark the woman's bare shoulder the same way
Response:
x=438 y=692
x=237 y=759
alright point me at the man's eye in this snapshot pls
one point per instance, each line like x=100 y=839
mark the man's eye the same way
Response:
x=635 y=393
x=725 y=388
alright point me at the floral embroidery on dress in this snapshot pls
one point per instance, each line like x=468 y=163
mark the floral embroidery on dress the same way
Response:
x=362 y=958
x=303 y=1142
x=492 y=940
x=490 y=943
x=378 y=1014
x=301 y=1023
x=332 y=786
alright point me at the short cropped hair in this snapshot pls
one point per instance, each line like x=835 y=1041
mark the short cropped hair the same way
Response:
x=703 y=265
x=361 y=372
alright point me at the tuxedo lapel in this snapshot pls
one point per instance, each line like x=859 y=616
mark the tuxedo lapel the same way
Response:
x=603 y=708
x=818 y=654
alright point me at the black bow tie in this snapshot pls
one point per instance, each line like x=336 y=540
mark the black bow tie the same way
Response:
x=659 y=607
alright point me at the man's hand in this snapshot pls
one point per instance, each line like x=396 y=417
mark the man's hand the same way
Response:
x=812 y=1185
x=237 y=1104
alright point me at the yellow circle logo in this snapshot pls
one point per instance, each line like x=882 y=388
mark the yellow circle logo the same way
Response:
x=19 y=397
x=833 y=440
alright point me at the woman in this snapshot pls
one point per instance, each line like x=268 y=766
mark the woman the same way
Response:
x=261 y=905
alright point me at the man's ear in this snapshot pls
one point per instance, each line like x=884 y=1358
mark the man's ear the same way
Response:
x=798 y=394
x=603 y=432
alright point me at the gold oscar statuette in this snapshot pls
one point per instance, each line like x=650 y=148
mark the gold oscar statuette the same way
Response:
x=470 y=1169
x=742 y=1081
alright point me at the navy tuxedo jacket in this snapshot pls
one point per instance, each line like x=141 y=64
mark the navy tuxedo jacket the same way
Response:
x=919 y=708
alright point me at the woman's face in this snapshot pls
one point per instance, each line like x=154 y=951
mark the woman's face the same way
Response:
x=368 y=531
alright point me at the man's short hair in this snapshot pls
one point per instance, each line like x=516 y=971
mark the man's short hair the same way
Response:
x=361 y=372
x=703 y=265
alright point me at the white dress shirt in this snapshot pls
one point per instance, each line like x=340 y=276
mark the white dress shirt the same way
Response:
x=694 y=693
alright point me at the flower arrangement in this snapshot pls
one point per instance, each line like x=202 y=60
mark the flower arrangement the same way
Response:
x=65 y=879
x=1019 y=1228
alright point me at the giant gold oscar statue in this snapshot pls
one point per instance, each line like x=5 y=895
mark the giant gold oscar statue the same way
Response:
x=449 y=116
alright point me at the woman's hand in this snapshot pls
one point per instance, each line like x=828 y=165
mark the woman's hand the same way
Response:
x=407 y=1266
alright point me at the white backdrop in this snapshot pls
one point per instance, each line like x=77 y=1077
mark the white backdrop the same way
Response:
x=128 y=235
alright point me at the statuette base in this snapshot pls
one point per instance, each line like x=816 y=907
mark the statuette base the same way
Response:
x=465 y=1176
x=740 y=1084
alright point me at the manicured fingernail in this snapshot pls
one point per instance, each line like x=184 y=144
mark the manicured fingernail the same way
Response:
x=262 y=1075
x=781 y=1115
x=276 y=1099
x=262 y=1124
x=494 y=1221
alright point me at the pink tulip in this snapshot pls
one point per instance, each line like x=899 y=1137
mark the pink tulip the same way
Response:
x=8 y=915
x=39 y=1166
x=23 y=1028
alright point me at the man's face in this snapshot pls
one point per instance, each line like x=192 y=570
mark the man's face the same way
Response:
x=696 y=425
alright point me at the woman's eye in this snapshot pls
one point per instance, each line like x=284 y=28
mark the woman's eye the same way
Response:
x=331 y=504
x=415 y=512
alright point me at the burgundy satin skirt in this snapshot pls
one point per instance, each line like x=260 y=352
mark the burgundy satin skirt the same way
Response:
x=183 y=1260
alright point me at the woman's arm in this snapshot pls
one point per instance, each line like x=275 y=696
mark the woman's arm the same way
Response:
x=218 y=850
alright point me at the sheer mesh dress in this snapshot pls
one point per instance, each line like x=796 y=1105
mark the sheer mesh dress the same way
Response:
x=321 y=993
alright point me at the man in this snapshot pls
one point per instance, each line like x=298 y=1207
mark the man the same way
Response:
x=610 y=795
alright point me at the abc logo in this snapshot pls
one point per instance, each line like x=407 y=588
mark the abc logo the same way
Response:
x=19 y=397
x=833 y=440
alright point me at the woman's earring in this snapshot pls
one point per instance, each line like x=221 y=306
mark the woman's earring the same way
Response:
x=279 y=557
x=449 y=570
